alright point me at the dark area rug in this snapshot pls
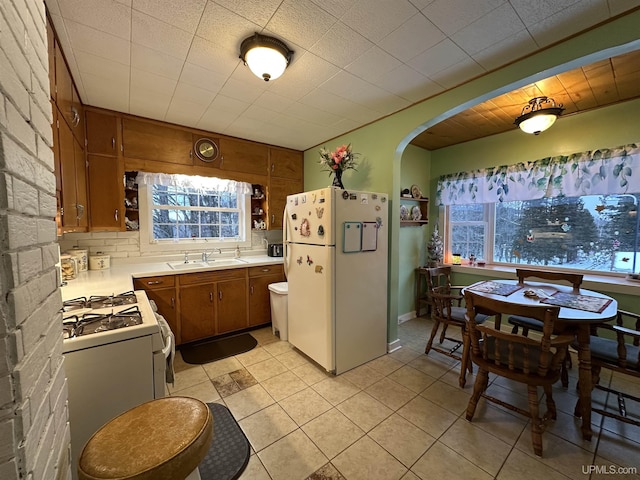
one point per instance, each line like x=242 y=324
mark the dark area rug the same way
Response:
x=217 y=349
x=229 y=452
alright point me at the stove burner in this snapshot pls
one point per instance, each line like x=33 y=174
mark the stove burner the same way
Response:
x=96 y=322
x=74 y=304
x=69 y=326
x=125 y=298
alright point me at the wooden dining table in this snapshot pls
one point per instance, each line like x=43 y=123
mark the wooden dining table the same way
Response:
x=578 y=312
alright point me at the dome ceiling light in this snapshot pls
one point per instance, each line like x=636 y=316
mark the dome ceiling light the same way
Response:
x=538 y=115
x=267 y=57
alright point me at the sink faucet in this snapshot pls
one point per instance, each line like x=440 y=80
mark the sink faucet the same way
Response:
x=205 y=254
x=186 y=257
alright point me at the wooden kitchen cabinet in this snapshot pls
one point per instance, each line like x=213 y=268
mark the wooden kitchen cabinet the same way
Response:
x=243 y=156
x=145 y=140
x=212 y=303
x=259 y=294
x=106 y=193
x=285 y=163
x=73 y=178
x=277 y=193
x=163 y=292
x=102 y=133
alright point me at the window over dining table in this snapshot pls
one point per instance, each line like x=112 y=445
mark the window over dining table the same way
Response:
x=575 y=212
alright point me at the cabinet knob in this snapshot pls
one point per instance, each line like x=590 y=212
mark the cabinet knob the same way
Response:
x=251 y=289
x=220 y=295
x=116 y=215
x=113 y=143
x=173 y=302
x=211 y=296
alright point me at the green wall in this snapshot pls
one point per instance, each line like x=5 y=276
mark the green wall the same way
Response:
x=382 y=143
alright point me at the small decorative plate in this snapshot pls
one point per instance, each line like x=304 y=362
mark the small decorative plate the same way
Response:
x=404 y=212
x=415 y=191
x=416 y=214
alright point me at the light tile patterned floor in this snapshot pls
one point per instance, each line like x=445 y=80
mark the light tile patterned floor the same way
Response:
x=401 y=416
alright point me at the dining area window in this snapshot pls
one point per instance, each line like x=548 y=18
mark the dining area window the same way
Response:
x=575 y=212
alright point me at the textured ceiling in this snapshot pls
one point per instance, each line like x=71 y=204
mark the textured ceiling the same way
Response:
x=355 y=61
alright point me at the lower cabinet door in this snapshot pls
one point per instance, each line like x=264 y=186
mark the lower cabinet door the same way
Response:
x=260 y=298
x=232 y=305
x=197 y=304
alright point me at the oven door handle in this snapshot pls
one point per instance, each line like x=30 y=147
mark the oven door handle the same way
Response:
x=168 y=343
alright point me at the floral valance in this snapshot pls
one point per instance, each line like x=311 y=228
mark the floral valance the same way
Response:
x=598 y=172
x=193 y=181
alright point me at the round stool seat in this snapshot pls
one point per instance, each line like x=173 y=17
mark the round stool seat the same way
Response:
x=164 y=439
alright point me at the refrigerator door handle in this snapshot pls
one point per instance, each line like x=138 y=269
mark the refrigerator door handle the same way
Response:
x=285 y=239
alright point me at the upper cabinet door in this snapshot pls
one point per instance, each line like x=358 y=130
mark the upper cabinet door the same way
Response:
x=243 y=156
x=64 y=87
x=285 y=163
x=52 y=60
x=102 y=133
x=150 y=141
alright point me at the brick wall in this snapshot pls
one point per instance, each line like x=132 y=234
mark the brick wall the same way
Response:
x=34 y=429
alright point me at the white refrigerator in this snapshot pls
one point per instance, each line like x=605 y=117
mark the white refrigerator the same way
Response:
x=336 y=262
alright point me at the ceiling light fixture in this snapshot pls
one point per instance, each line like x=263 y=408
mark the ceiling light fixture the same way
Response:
x=538 y=115
x=267 y=57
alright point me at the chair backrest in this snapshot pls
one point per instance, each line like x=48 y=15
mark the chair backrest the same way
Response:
x=621 y=353
x=443 y=303
x=510 y=352
x=438 y=277
x=574 y=279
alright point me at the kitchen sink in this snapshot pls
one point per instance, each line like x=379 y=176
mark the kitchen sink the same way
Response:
x=223 y=262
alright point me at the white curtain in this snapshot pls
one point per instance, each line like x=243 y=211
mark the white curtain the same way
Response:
x=599 y=172
x=193 y=181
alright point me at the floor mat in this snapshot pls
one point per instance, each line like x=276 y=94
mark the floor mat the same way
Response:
x=213 y=350
x=229 y=452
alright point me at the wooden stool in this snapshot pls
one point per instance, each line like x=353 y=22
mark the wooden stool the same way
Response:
x=164 y=439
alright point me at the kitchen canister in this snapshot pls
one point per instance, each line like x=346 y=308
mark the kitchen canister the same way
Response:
x=99 y=261
x=82 y=257
x=68 y=267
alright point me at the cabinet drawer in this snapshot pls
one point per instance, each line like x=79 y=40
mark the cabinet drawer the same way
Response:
x=208 y=277
x=155 y=282
x=266 y=270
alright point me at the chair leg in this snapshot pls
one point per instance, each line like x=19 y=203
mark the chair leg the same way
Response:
x=564 y=370
x=482 y=380
x=434 y=331
x=443 y=334
x=551 y=405
x=466 y=363
x=536 y=422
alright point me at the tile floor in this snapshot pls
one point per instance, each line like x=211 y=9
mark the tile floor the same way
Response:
x=401 y=416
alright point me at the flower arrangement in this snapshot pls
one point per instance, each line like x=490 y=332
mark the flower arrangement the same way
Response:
x=342 y=158
x=435 y=248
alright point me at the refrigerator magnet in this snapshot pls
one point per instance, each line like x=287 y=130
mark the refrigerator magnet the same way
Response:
x=364 y=199
x=303 y=199
x=294 y=216
x=320 y=231
x=309 y=261
x=305 y=228
x=299 y=260
x=319 y=211
x=345 y=195
x=313 y=198
x=318 y=268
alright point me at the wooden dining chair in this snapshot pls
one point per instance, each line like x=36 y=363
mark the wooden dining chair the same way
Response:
x=619 y=352
x=527 y=324
x=535 y=362
x=447 y=311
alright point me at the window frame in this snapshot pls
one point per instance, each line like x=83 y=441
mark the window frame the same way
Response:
x=149 y=245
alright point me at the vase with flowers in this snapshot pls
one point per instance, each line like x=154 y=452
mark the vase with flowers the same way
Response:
x=336 y=162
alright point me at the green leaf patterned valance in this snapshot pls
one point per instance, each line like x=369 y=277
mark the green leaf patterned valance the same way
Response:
x=604 y=171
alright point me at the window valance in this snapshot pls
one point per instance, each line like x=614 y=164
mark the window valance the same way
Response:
x=604 y=171
x=193 y=181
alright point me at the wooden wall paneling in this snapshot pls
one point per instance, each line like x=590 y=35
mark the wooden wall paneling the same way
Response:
x=147 y=140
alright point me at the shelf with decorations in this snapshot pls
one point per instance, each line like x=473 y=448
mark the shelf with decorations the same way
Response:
x=414 y=212
x=132 y=213
x=258 y=207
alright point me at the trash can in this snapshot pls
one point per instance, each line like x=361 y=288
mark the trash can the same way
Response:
x=279 y=317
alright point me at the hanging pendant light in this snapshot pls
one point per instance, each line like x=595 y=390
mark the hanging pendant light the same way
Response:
x=267 y=57
x=538 y=115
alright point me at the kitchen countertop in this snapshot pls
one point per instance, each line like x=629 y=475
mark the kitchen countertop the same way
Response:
x=119 y=278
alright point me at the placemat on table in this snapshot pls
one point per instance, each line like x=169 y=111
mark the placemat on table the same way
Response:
x=495 y=288
x=587 y=303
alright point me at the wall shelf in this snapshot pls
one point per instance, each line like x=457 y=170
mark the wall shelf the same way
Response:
x=423 y=204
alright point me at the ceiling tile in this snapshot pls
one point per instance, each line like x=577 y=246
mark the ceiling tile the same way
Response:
x=405 y=82
x=306 y=73
x=319 y=117
x=102 y=67
x=438 y=58
x=213 y=57
x=440 y=12
x=273 y=101
x=375 y=19
x=215 y=120
x=335 y=7
x=96 y=42
x=340 y=106
x=450 y=76
x=189 y=93
x=247 y=91
x=184 y=14
x=142 y=80
x=107 y=92
x=341 y=45
x=202 y=78
x=372 y=64
x=490 y=29
x=412 y=38
x=157 y=35
x=517 y=46
x=256 y=11
x=183 y=112
x=616 y=7
x=154 y=61
x=224 y=27
x=105 y=15
x=534 y=12
x=148 y=103
x=301 y=22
